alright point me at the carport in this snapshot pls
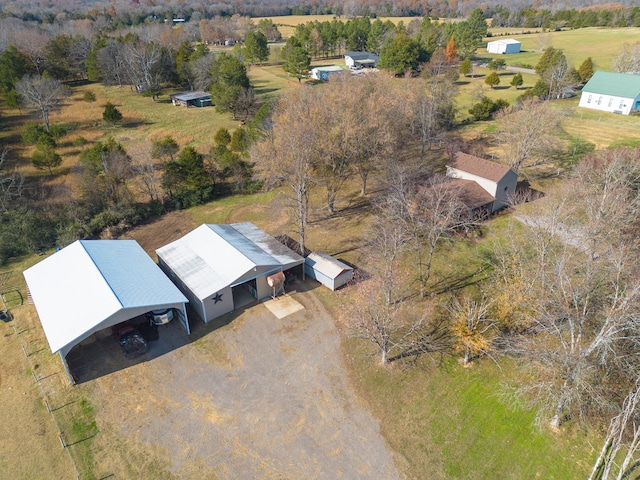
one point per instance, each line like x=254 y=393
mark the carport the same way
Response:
x=219 y=267
x=91 y=285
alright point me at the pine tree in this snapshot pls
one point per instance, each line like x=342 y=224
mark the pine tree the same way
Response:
x=111 y=114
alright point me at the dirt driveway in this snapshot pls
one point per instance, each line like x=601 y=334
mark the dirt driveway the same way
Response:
x=259 y=398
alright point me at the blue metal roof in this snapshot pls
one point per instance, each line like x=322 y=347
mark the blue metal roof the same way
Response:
x=131 y=274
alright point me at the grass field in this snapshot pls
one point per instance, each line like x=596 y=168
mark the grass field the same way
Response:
x=599 y=43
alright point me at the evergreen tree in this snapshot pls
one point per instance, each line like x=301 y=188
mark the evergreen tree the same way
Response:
x=228 y=78
x=585 y=71
x=296 y=59
x=517 y=80
x=45 y=156
x=256 y=49
x=466 y=67
x=493 y=79
x=111 y=114
x=399 y=55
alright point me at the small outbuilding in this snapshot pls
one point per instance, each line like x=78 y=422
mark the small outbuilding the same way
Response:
x=507 y=45
x=356 y=60
x=484 y=184
x=327 y=270
x=612 y=92
x=323 y=73
x=92 y=285
x=220 y=267
x=191 y=99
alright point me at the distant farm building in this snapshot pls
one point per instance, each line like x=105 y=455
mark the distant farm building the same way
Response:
x=508 y=45
x=612 y=92
x=327 y=270
x=355 y=60
x=191 y=99
x=483 y=184
x=323 y=73
x=221 y=267
x=91 y=285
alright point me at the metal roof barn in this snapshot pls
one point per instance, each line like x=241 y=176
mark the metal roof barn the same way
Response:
x=327 y=270
x=92 y=285
x=214 y=265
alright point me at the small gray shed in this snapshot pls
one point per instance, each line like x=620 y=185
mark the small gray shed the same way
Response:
x=327 y=270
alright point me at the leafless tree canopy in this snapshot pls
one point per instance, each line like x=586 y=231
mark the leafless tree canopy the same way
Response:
x=528 y=132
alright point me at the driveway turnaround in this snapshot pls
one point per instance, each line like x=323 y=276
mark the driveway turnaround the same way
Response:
x=258 y=398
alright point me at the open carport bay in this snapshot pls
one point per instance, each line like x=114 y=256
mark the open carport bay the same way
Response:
x=260 y=397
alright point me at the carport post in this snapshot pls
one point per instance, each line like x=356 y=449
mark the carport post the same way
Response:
x=66 y=369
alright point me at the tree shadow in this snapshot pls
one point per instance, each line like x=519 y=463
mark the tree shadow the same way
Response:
x=455 y=282
x=135 y=124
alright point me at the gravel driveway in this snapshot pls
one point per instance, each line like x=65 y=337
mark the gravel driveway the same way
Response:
x=258 y=398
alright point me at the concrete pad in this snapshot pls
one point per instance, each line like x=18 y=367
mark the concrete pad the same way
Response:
x=283 y=306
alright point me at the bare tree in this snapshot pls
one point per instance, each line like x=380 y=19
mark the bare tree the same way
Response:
x=544 y=41
x=436 y=211
x=621 y=443
x=431 y=103
x=147 y=170
x=528 y=131
x=11 y=184
x=628 y=59
x=377 y=310
x=42 y=94
x=583 y=291
x=287 y=155
x=33 y=43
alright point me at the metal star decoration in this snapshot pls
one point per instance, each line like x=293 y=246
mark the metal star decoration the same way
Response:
x=217 y=298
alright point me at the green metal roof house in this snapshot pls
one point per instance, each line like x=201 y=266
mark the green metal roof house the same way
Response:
x=612 y=92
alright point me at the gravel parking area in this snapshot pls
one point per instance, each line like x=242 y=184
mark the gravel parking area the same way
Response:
x=259 y=397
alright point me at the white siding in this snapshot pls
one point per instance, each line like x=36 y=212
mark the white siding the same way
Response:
x=607 y=103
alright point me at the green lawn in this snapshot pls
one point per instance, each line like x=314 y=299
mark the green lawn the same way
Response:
x=599 y=43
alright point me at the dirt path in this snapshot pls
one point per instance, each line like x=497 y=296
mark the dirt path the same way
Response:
x=258 y=398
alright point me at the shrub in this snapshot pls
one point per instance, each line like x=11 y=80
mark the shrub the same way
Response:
x=79 y=141
x=89 y=97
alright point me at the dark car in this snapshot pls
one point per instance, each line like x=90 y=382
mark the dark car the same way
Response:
x=131 y=340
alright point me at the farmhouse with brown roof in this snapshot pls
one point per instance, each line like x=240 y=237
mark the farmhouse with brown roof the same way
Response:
x=485 y=184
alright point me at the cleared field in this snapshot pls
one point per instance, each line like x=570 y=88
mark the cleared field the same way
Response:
x=599 y=43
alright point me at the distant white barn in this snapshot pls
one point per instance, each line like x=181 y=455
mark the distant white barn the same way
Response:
x=485 y=184
x=323 y=73
x=91 y=285
x=214 y=265
x=612 y=92
x=508 y=45
x=327 y=270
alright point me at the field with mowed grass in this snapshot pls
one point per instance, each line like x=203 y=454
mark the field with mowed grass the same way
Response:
x=599 y=43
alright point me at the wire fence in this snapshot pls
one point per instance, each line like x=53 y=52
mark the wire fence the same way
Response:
x=32 y=346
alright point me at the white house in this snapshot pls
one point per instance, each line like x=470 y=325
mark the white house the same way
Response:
x=323 y=73
x=612 y=92
x=216 y=266
x=497 y=183
x=355 y=60
x=91 y=285
x=507 y=45
x=327 y=270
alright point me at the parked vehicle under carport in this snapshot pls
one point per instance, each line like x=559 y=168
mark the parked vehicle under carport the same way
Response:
x=131 y=340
